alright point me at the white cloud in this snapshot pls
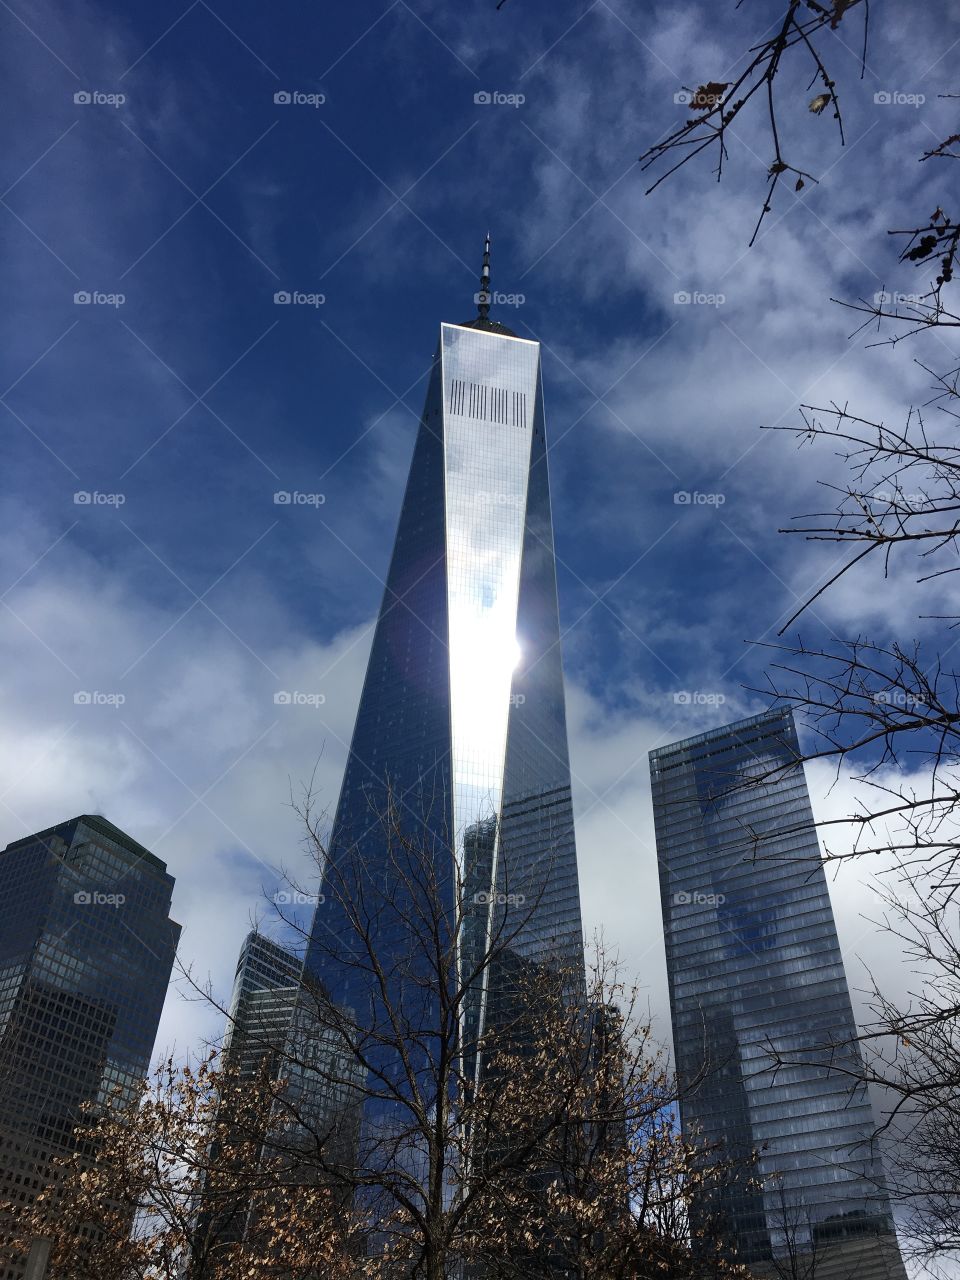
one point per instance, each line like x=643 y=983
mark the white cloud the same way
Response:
x=197 y=763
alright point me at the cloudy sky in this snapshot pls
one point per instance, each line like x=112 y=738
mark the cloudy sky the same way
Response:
x=153 y=168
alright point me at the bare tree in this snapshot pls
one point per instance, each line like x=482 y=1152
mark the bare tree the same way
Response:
x=473 y=1098
x=135 y=1200
x=716 y=105
x=398 y=1135
x=613 y=1191
x=886 y=712
x=788 y=45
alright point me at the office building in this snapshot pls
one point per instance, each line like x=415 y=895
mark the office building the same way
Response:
x=755 y=975
x=461 y=728
x=86 y=950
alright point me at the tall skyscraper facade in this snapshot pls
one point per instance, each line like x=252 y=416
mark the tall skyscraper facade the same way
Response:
x=86 y=951
x=754 y=967
x=266 y=985
x=273 y=1022
x=461 y=725
x=273 y=1028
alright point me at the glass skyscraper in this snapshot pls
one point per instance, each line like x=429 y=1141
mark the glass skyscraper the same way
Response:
x=86 y=951
x=754 y=967
x=461 y=726
x=273 y=1028
x=272 y=1021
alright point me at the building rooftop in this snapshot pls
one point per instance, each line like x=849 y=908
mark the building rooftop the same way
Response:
x=722 y=731
x=96 y=822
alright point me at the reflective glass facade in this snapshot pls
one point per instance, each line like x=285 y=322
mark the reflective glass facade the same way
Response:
x=754 y=965
x=462 y=712
x=273 y=1018
x=273 y=1025
x=86 y=951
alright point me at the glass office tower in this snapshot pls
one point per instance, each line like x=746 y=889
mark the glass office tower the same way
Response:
x=754 y=966
x=273 y=1030
x=86 y=950
x=272 y=1020
x=461 y=726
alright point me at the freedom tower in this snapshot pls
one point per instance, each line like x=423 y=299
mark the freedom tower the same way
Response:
x=460 y=744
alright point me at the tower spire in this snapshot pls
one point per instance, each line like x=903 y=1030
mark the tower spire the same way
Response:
x=483 y=297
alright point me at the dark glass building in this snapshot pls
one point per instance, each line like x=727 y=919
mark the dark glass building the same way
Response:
x=461 y=722
x=273 y=1023
x=754 y=966
x=86 y=950
x=273 y=1030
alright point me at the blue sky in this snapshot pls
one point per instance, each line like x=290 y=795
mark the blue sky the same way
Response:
x=199 y=197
